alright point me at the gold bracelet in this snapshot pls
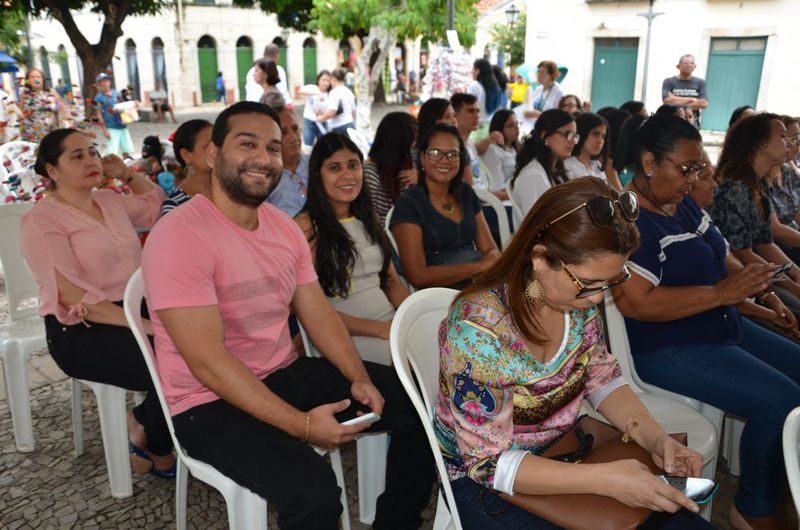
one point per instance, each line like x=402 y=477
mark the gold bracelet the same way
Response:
x=308 y=424
x=632 y=423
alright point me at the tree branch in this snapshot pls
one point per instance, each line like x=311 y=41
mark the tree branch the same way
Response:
x=82 y=46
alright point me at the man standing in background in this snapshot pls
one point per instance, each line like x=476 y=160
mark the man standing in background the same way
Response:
x=685 y=89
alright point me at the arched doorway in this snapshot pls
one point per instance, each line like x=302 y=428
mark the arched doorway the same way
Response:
x=282 y=54
x=207 y=65
x=343 y=54
x=63 y=63
x=44 y=60
x=309 y=61
x=159 y=64
x=244 y=61
x=133 y=68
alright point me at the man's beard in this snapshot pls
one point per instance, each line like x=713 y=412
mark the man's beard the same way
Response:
x=233 y=184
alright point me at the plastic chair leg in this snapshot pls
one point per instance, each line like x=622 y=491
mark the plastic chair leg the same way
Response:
x=246 y=510
x=336 y=464
x=443 y=519
x=733 y=436
x=114 y=427
x=77 y=416
x=181 y=485
x=15 y=375
x=371 y=458
x=138 y=397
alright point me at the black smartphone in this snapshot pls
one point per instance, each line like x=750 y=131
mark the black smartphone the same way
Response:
x=352 y=411
x=783 y=268
x=700 y=490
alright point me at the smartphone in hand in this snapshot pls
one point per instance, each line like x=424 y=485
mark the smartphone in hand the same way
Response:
x=783 y=268
x=700 y=490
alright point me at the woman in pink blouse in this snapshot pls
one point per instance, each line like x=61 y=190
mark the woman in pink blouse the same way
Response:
x=523 y=348
x=82 y=248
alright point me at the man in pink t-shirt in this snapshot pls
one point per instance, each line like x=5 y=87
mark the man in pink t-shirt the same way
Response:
x=221 y=274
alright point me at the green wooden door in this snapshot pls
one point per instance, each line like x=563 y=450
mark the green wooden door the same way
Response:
x=734 y=74
x=309 y=66
x=244 y=61
x=282 y=59
x=614 y=72
x=207 y=62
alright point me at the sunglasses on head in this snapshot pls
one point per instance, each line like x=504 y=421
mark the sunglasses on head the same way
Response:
x=602 y=210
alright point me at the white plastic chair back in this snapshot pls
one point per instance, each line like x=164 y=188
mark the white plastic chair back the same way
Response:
x=16 y=156
x=361 y=141
x=386 y=227
x=415 y=352
x=791 y=452
x=500 y=211
x=23 y=293
x=518 y=214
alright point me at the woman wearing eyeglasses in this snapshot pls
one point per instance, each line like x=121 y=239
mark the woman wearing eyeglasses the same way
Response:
x=685 y=332
x=783 y=187
x=522 y=349
x=540 y=162
x=441 y=233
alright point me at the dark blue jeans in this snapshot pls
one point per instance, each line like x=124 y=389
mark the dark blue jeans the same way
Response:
x=758 y=380
x=480 y=509
x=311 y=132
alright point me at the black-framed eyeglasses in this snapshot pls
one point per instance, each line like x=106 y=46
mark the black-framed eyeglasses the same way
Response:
x=688 y=168
x=585 y=292
x=437 y=154
x=602 y=209
x=569 y=135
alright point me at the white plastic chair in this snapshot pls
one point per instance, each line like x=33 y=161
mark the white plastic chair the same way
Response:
x=676 y=413
x=16 y=156
x=414 y=344
x=518 y=214
x=246 y=510
x=387 y=228
x=791 y=452
x=500 y=212
x=371 y=451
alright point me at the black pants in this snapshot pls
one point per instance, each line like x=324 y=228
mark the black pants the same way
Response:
x=109 y=354
x=289 y=473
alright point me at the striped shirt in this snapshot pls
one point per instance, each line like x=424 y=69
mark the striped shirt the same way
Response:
x=175 y=199
x=381 y=202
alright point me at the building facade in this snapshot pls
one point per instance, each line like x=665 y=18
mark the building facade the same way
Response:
x=745 y=49
x=185 y=53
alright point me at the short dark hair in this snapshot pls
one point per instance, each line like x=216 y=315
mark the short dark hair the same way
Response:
x=50 y=150
x=461 y=99
x=632 y=106
x=186 y=136
x=659 y=135
x=221 y=129
x=339 y=74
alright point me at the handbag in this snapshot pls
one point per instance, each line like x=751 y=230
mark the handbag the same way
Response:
x=590 y=441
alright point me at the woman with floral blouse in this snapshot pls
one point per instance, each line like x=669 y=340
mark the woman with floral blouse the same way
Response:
x=42 y=108
x=523 y=348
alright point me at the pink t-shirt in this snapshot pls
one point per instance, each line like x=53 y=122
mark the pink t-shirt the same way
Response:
x=97 y=257
x=197 y=257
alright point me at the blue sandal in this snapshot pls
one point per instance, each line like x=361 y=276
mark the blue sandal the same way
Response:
x=170 y=472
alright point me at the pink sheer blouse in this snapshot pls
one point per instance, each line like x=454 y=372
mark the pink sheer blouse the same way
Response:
x=97 y=257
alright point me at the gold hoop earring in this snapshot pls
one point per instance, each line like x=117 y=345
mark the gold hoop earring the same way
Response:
x=534 y=290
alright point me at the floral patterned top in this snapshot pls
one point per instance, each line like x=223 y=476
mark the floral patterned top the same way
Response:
x=785 y=199
x=40 y=114
x=744 y=223
x=495 y=397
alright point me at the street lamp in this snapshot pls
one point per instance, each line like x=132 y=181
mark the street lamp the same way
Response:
x=512 y=15
x=285 y=34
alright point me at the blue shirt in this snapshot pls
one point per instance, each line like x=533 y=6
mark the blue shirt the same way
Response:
x=291 y=192
x=106 y=103
x=682 y=250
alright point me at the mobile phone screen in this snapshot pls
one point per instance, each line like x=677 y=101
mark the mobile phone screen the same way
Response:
x=700 y=490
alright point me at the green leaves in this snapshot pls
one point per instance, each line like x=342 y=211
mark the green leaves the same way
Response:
x=511 y=40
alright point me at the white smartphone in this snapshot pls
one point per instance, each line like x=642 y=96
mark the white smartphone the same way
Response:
x=370 y=417
x=699 y=490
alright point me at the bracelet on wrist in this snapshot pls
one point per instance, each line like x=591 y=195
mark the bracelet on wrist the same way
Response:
x=632 y=423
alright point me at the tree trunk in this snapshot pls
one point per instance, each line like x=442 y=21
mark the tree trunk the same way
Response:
x=381 y=39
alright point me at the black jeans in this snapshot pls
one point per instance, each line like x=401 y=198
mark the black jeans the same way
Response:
x=289 y=473
x=109 y=354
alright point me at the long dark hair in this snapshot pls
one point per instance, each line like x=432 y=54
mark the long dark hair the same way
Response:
x=50 y=150
x=186 y=137
x=548 y=123
x=498 y=123
x=489 y=83
x=425 y=142
x=586 y=122
x=320 y=74
x=269 y=67
x=573 y=240
x=336 y=252
x=742 y=143
x=429 y=113
x=624 y=154
x=391 y=149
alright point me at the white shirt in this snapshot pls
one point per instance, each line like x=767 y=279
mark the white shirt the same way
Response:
x=538 y=99
x=253 y=90
x=530 y=184
x=158 y=95
x=500 y=163
x=341 y=94
x=477 y=90
x=575 y=169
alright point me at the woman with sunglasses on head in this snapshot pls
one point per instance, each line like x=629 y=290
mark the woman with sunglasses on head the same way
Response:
x=685 y=332
x=350 y=250
x=753 y=148
x=441 y=233
x=540 y=162
x=522 y=349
